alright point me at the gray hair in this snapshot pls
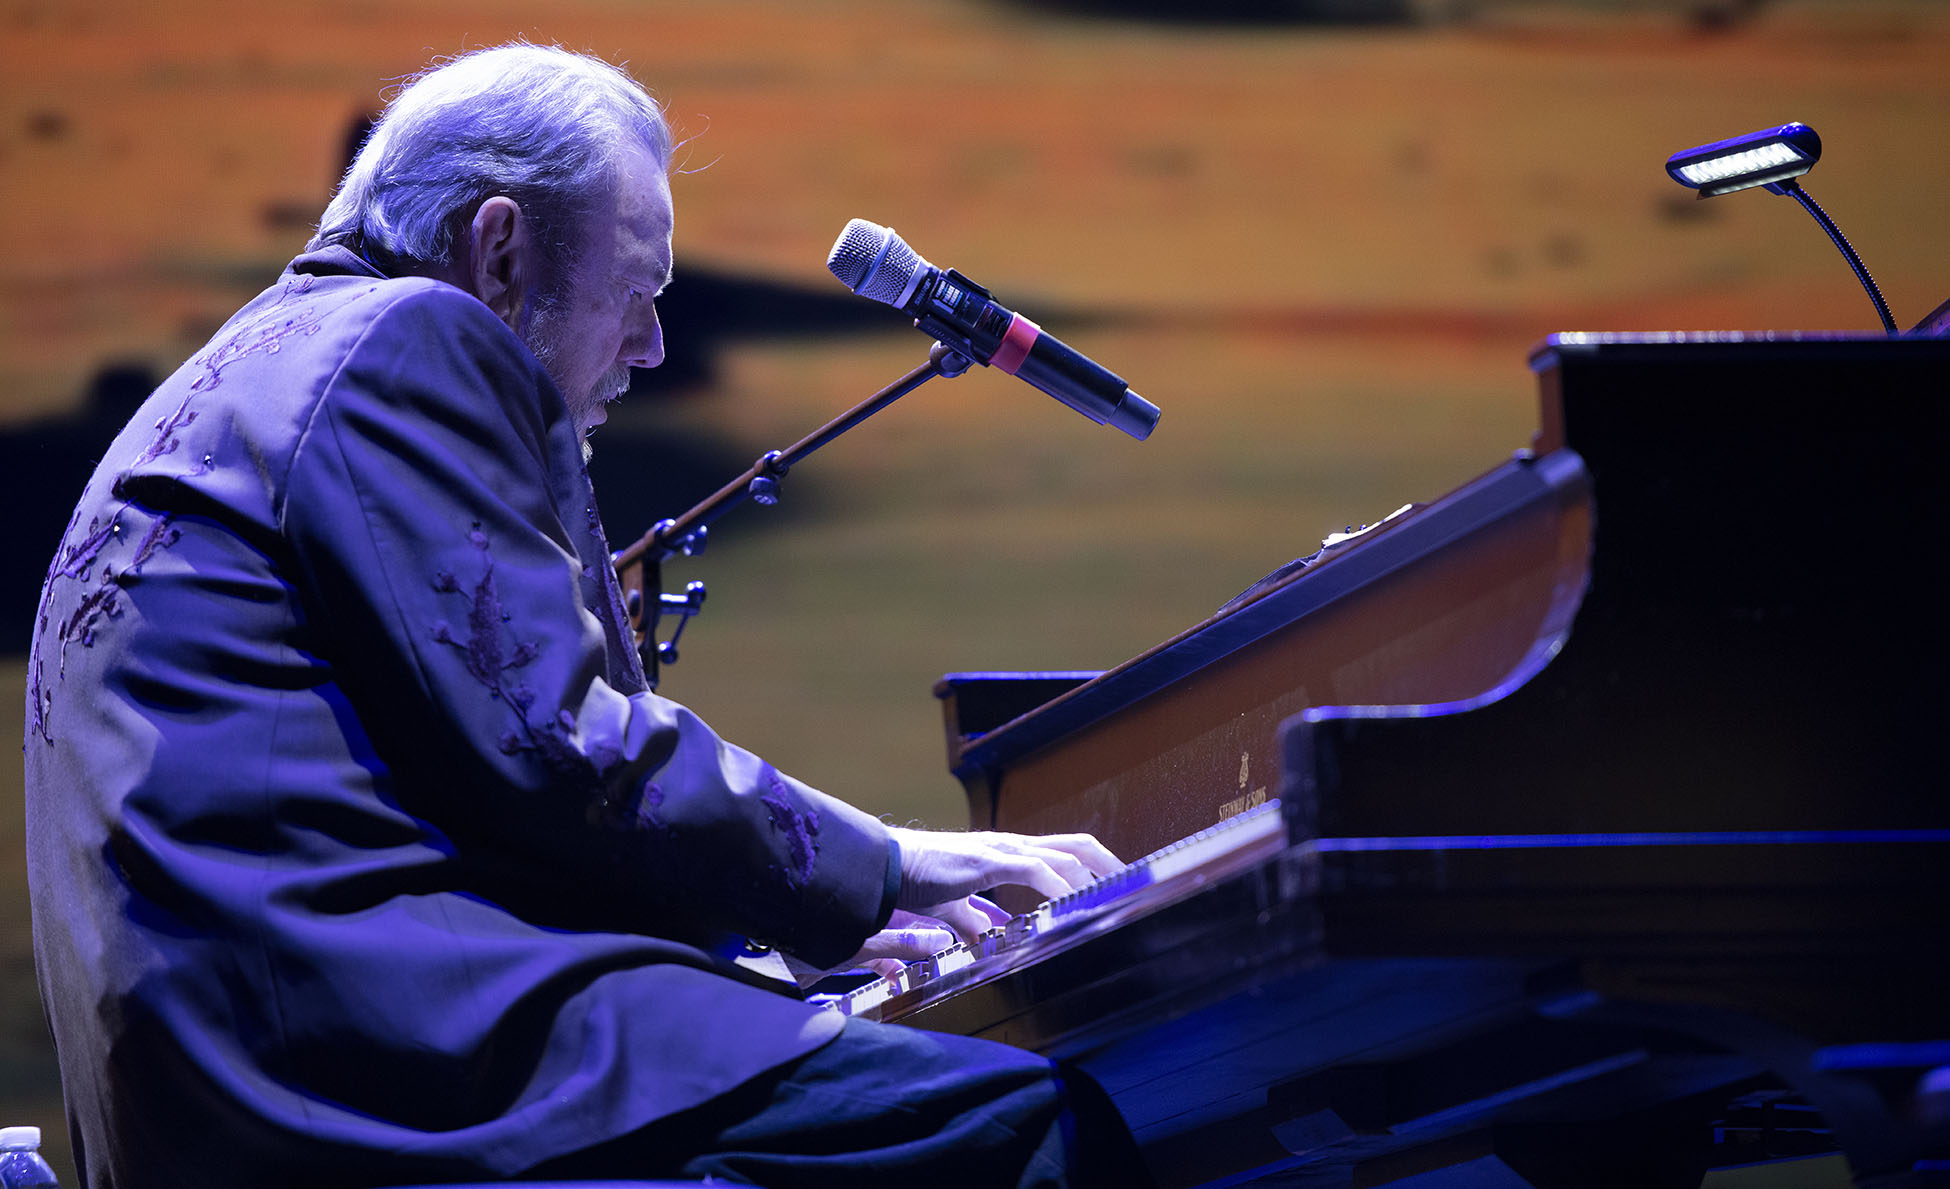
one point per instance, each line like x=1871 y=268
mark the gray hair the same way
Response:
x=538 y=124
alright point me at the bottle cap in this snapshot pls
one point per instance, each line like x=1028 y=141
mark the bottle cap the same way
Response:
x=20 y=1137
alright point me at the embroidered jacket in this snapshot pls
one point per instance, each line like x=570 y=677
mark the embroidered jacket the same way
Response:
x=359 y=852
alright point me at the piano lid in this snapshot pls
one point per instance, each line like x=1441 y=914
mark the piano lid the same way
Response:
x=1290 y=594
x=1762 y=644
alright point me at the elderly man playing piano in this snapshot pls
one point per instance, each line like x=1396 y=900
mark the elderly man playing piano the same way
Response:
x=361 y=855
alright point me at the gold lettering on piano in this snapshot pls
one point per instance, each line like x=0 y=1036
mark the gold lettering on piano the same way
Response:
x=1242 y=803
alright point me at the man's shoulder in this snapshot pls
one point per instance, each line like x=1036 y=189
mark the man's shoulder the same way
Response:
x=395 y=329
x=409 y=342
x=421 y=300
x=382 y=330
x=333 y=280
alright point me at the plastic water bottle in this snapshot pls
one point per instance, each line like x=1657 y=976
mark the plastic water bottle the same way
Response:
x=21 y=1166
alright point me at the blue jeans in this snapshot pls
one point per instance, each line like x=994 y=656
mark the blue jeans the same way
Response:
x=881 y=1103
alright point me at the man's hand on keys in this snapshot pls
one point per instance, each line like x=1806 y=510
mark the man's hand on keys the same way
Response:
x=942 y=870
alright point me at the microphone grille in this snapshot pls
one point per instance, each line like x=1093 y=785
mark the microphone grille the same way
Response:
x=874 y=262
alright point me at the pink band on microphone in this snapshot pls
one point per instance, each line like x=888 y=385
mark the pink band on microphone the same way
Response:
x=1016 y=341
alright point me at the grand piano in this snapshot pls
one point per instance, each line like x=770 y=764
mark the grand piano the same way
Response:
x=1584 y=826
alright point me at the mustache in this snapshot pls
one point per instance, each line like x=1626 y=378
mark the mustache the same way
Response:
x=613 y=383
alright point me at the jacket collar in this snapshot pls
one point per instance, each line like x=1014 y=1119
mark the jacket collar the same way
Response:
x=334 y=260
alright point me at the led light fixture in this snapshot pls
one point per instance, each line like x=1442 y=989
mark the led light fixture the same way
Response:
x=1773 y=158
x=1765 y=158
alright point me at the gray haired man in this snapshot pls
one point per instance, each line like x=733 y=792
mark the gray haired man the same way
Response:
x=360 y=853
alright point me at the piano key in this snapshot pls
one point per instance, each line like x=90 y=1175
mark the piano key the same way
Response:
x=1259 y=828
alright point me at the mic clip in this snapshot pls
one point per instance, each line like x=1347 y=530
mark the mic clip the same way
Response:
x=956 y=311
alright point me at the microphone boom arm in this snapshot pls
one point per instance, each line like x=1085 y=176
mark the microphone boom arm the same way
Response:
x=639 y=566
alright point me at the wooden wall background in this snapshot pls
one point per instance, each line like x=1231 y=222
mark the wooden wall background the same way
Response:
x=1323 y=250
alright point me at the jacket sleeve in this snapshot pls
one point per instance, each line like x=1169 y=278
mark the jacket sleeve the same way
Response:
x=425 y=505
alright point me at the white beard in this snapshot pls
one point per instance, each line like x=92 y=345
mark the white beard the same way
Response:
x=539 y=333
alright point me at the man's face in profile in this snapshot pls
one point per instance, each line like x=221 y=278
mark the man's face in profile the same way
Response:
x=603 y=321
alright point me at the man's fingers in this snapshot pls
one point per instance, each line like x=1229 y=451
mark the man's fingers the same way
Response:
x=884 y=967
x=939 y=867
x=908 y=943
x=996 y=914
x=1094 y=855
x=1067 y=867
x=968 y=921
x=911 y=936
x=1029 y=871
x=1078 y=858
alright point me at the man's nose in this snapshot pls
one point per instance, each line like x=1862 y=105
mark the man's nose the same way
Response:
x=643 y=345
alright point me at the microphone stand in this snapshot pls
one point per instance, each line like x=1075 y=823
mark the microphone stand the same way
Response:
x=639 y=567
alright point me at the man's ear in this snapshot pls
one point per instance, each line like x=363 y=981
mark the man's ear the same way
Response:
x=498 y=258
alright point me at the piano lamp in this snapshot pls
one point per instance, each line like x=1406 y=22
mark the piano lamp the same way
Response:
x=1771 y=158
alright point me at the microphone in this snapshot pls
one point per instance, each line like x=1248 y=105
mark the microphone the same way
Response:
x=874 y=262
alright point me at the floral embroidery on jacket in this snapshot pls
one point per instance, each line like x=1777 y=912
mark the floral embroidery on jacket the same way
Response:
x=77 y=564
x=492 y=653
x=801 y=830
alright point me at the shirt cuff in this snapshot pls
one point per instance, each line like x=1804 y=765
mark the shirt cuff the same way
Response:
x=892 y=889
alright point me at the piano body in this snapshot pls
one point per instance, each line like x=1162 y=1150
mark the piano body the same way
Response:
x=1611 y=841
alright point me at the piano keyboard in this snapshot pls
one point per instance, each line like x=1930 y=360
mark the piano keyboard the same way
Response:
x=1181 y=867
